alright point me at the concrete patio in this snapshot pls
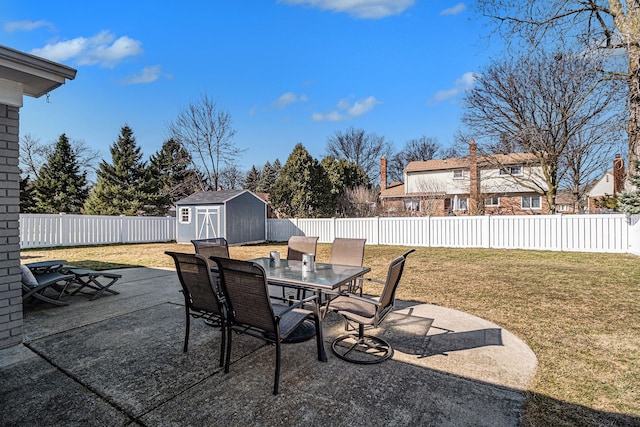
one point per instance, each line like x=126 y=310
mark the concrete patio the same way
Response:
x=118 y=360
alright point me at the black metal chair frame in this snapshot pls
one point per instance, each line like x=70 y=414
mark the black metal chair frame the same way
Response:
x=355 y=308
x=211 y=308
x=244 y=320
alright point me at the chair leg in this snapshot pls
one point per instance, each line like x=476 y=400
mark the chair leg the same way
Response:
x=223 y=344
x=277 y=377
x=186 y=331
x=228 y=355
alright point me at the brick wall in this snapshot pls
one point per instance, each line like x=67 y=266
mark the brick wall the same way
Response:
x=10 y=286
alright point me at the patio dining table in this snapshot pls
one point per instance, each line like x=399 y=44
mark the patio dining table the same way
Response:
x=323 y=280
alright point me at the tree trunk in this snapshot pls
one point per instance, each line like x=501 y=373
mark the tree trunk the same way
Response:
x=634 y=106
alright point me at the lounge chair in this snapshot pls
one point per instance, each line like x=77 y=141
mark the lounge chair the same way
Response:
x=34 y=286
x=91 y=279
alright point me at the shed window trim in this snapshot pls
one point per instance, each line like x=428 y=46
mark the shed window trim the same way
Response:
x=185 y=215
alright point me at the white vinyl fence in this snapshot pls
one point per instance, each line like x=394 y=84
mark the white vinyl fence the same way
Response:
x=581 y=233
x=40 y=230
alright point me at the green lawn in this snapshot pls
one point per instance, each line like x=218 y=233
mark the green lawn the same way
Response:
x=579 y=313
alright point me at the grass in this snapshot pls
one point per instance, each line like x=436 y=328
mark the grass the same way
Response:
x=579 y=313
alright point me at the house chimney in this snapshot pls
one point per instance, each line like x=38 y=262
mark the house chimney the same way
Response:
x=383 y=173
x=618 y=175
x=474 y=181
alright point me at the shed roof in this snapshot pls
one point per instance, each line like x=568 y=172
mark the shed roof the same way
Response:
x=209 y=197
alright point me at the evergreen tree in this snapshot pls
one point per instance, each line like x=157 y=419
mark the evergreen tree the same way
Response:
x=172 y=176
x=27 y=203
x=267 y=179
x=252 y=179
x=303 y=188
x=629 y=201
x=60 y=186
x=122 y=187
x=344 y=176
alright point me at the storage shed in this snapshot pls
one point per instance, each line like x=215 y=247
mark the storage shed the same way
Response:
x=237 y=215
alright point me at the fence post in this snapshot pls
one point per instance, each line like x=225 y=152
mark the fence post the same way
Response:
x=64 y=229
x=486 y=231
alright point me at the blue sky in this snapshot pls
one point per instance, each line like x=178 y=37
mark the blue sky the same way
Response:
x=287 y=71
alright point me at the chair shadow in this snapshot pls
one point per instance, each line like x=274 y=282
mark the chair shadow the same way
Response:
x=449 y=341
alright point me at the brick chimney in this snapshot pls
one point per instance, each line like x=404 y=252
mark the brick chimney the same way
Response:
x=619 y=175
x=474 y=179
x=383 y=173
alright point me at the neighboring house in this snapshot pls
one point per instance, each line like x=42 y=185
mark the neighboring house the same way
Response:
x=608 y=186
x=239 y=216
x=496 y=185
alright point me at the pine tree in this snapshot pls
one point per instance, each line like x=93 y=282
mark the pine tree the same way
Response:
x=27 y=204
x=122 y=187
x=60 y=186
x=303 y=188
x=172 y=176
x=252 y=179
x=629 y=201
x=344 y=176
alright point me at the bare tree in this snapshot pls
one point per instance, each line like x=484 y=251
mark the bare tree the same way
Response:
x=232 y=177
x=359 y=201
x=34 y=154
x=592 y=24
x=361 y=148
x=420 y=149
x=542 y=104
x=206 y=132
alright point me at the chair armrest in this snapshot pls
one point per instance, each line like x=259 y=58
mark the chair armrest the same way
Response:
x=297 y=304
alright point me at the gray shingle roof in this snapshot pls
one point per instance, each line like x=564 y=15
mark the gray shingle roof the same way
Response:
x=209 y=197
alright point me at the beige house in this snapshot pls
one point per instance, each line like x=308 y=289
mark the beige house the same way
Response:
x=496 y=185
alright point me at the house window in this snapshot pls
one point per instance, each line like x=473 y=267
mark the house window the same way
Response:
x=562 y=208
x=412 y=205
x=461 y=204
x=185 y=215
x=531 y=202
x=512 y=170
x=458 y=174
x=492 y=201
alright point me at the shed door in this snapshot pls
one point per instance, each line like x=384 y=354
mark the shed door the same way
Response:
x=208 y=222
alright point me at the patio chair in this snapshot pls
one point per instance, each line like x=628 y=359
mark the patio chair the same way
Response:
x=296 y=247
x=212 y=247
x=251 y=312
x=299 y=245
x=361 y=348
x=348 y=252
x=202 y=298
x=34 y=286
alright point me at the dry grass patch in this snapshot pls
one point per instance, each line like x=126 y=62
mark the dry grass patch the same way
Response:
x=578 y=312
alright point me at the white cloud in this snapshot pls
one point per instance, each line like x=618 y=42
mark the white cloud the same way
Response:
x=253 y=110
x=289 y=98
x=365 y=9
x=11 y=27
x=356 y=109
x=147 y=75
x=455 y=10
x=460 y=85
x=102 y=49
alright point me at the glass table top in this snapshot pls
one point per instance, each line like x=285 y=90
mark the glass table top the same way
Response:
x=324 y=276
